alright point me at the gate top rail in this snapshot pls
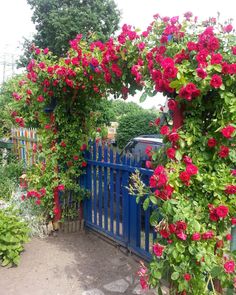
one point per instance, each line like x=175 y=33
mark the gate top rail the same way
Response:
x=104 y=155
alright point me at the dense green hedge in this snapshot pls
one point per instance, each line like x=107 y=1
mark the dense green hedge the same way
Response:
x=133 y=125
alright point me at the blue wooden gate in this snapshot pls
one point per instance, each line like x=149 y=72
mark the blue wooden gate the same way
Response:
x=111 y=210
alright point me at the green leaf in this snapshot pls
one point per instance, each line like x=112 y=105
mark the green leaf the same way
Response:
x=153 y=199
x=216 y=271
x=196 y=225
x=222 y=87
x=143 y=97
x=160 y=291
x=178 y=155
x=146 y=204
x=175 y=276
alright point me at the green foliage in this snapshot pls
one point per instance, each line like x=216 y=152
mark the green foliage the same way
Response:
x=13 y=234
x=120 y=108
x=134 y=124
x=9 y=176
x=59 y=21
x=6 y=91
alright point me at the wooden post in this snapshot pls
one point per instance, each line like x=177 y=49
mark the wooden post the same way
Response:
x=57 y=205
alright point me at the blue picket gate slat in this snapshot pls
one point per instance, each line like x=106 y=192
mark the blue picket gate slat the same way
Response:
x=105 y=190
x=111 y=193
x=117 y=196
x=100 y=195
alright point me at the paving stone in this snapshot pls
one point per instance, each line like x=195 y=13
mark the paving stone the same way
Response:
x=139 y=291
x=130 y=279
x=119 y=286
x=93 y=292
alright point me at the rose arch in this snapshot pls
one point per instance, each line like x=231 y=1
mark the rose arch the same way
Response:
x=194 y=65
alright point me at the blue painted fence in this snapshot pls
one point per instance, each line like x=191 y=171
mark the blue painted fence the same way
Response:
x=111 y=210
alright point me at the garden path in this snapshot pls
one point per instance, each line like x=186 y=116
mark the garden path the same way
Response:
x=72 y=264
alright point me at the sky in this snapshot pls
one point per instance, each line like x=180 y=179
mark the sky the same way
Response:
x=15 y=22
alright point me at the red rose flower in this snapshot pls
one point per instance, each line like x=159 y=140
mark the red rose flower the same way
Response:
x=172 y=228
x=187 y=160
x=216 y=81
x=212 y=142
x=148 y=150
x=164 y=233
x=158 y=250
x=196 y=237
x=214 y=216
x=233 y=48
x=143 y=283
x=220 y=244
x=216 y=58
x=63 y=144
x=76 y=158
x=38 y=202
x=233 y=220
x=181 y=225
x=228 y=28
x=164 y=130
x=228 y=131
x=182 y=236
x=233 y=172
x=228 y=237
x=208 y=235
x=230 y=189
x=84 y=164
x=170 y=152
x=201 y=73
x=229 y=266
x=157 y=121
x=187 y=277
x=224 y=151
x=191 y=169
x=148 y=164
x=221 y=211
x=61 y=187
x=83 y=147
x=173 y=136
x=184 y=177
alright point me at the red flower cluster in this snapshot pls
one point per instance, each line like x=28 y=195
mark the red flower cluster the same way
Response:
x=191 y=169
x=218 y=212
x=178 y=229
x=35 y=194
x=189 y=91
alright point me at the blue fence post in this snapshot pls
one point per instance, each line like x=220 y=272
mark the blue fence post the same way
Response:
x=95 y=183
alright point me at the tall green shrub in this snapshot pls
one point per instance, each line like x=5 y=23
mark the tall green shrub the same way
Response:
x=133 y=125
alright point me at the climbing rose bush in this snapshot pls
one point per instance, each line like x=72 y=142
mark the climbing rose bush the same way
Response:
x=194 y=65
